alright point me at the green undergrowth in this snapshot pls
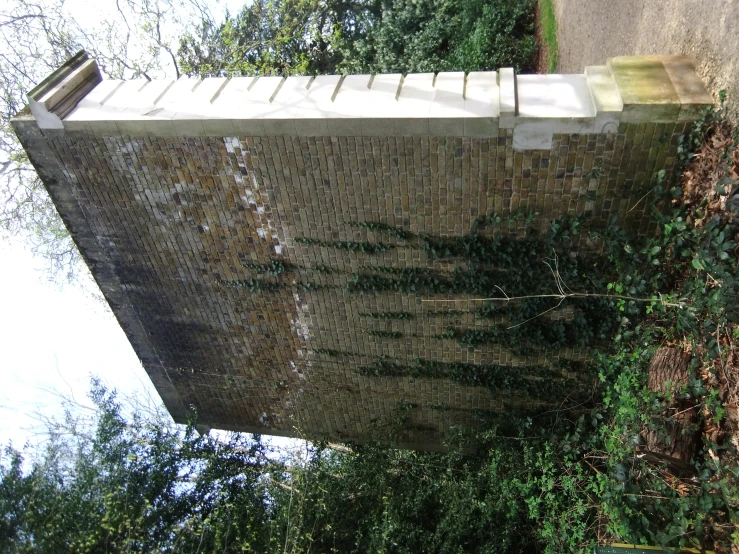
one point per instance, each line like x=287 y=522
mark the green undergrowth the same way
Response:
x=590 y=474
x=562 y=478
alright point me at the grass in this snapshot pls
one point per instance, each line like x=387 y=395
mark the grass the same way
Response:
x=548 y=29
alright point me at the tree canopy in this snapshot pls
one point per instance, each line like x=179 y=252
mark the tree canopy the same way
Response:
x=364 y=36
x=135 y=482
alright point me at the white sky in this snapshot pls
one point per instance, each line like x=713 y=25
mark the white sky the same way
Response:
x=54 y=339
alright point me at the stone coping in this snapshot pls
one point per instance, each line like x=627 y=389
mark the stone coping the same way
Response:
x=631 y=89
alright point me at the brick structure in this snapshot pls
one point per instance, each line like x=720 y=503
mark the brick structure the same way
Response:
x=175 y=190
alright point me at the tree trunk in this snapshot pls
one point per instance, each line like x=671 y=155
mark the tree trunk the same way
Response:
x=680 y=437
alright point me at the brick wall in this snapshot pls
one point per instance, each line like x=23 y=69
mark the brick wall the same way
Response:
x=178 y=216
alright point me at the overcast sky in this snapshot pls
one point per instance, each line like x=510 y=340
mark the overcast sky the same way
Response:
x=54 y=339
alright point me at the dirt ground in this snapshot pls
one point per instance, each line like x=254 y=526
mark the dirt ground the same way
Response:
x=589 y=31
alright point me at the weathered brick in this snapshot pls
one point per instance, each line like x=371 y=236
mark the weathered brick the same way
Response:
x=177 y=215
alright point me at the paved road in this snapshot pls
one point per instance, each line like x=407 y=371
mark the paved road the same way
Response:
x=592 y=30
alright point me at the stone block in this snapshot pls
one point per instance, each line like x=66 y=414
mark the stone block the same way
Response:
x=645 y=88
x=481 y=127
x=533 y=134
x=606 y=99
x=104 y=128
x=554 y=97
x=378 y=127
x=152 y=128
x=76 y=126
x=218 y=127
x=311 y=127
x=321 y=93
x=508 y=101
x=344 y=126
x=57 y=95
x=416 y=92
x=380 y=109
x=447 y=109
x=212 y=97
x=249 y=127
x=549 y=104
x=605 y=94
x=482 y=104
x=187 y=127
x=694 y=98
x=98 y=95
x=279 y=126
x=446 y=126
x=412 y=127
x=141 y=128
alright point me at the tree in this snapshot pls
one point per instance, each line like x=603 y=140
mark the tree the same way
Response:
x=364 y=36
x=137 y=483
x=442 y=35
x=277 y=38
x=133 y=481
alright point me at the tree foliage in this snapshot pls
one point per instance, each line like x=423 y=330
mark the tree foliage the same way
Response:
x=276 y=38
x=442 y=35
x=137 y=483
x=365 y=36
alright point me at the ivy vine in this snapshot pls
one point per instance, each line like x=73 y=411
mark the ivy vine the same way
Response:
x=351 y=246
x=543 y=383
x=396 y=232
x=385 y=334
x=493 y=266
x=386 y=315
x=273 y=267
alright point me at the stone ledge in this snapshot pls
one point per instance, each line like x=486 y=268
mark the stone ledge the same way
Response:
x=630 y=89
x=658 y=89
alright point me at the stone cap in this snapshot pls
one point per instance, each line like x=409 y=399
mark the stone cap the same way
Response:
x=630 y=89
x=659 y=88
x=57 y=95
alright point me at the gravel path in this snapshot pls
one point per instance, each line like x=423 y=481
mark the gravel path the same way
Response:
x=589 y=31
